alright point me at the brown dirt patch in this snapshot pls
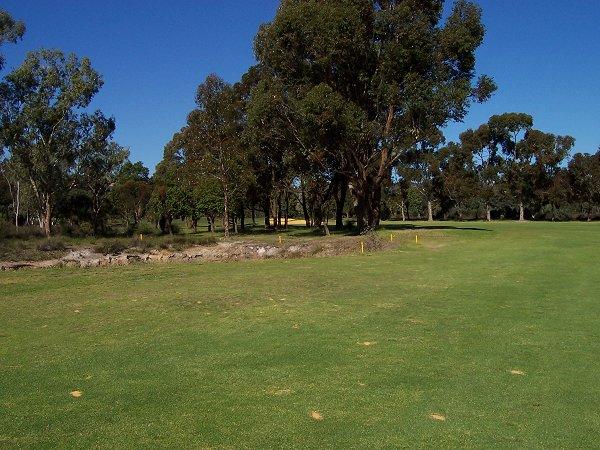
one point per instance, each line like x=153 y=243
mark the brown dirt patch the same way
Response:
x=316 y=415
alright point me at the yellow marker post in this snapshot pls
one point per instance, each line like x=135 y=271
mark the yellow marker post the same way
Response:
x=141 y=237
x=362 y=247
x=416 y=238
x=280 y=240
x=391 y=237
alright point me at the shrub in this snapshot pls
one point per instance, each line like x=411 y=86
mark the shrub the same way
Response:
x=8 y=230
x=175 y=228
x=110 y=247
x=142 y=245
x=145 y=228
x=52 y=244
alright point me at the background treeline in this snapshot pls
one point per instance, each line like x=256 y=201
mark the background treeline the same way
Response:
x=339 y=122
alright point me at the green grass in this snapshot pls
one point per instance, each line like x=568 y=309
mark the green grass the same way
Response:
x=188 y=356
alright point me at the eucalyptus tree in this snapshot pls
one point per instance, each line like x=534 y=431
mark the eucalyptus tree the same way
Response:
x=12 y=179
x=98 y=164
x=170 y=197
x=422 y=169
x=550 y=151
x=487 y=162
x=584 y=175
x=394 y=70
x=458 y=178
x=273 y=143
x=131 y=192
x=507 y=131
x=42 y=103
x=212 y=141
x=11 y=31
x=531 y=156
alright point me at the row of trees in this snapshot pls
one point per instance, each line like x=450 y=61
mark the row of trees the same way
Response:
x=340 y=117
x=341 y=91
x=505 y=165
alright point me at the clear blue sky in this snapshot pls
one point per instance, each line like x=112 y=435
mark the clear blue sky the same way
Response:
x=544 y=55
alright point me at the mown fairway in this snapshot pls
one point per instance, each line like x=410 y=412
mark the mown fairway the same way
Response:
x=240 y=354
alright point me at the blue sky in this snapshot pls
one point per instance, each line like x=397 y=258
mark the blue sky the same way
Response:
x=543 y=54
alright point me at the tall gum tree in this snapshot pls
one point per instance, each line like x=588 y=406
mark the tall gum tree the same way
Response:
x=99 y=162
x=531 y=157
x=487 y=166
x=212 y=144
x=399 y=73
x=584 y=178
x=507 y=131
x=42 y=104
x=11 y=31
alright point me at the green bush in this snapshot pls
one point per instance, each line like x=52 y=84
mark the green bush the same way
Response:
x=52 y=244
x=110 y=247
x=8 y=230
x=175 y=228
x=145 y=228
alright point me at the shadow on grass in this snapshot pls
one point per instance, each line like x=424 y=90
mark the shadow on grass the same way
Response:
x=295 y=230
x=410 y=226
x=302 y=231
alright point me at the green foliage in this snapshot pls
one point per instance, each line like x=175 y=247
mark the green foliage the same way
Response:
x=11 y=31
x=110 y=247
x=145 y=228
x=361 y=83
x=584 y=176
x=99 y=163
x=415 y=200
x=210 y=151
x=9 y=231
x=51 y=244
x=130 y=192
x=42 y=103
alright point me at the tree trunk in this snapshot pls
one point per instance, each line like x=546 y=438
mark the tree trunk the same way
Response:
x=253 y=216
x=303 y=203
x=226 y=211
x=488 y=213
x=279 y=210
x=339 y=205
x=521 y=212
x=368 y=198
x=47 y=216
x=429 y=211
x=402 y=211
x=369 y=185
x=168 y=225
x=17 y=204
x=286 y=212
x=267 y=211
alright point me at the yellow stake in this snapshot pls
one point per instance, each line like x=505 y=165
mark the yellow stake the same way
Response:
x=391 y=237
x=416 y=238
x=141 y=237
x=362 y=247
x=280 y=240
